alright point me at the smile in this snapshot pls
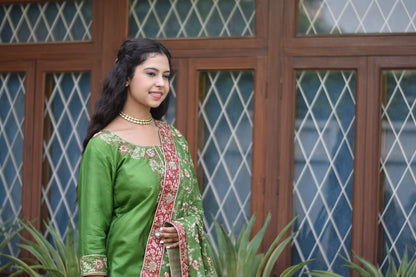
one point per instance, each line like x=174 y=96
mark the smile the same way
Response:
x=156 y=94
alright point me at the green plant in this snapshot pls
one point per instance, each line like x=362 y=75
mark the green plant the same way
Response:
x=58 y=258
x=5 y=238
x=240 y=257
x=364 y=268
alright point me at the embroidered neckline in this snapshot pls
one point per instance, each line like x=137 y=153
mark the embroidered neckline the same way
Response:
x=124 y=141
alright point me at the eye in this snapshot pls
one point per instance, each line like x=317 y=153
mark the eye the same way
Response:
x=151 y=73
x=167 y=76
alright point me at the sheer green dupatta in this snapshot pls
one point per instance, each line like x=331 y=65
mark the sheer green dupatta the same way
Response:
x=180 y=205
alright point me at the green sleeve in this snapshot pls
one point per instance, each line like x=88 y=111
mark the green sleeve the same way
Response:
x=95 y=199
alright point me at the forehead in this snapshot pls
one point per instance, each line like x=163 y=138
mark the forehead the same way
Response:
x=157 y=61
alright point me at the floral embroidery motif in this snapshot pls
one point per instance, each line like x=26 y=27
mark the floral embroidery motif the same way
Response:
x=186 y=173
x=124 y=149
x=195 y=265
x=151 y=153
x=93 y=264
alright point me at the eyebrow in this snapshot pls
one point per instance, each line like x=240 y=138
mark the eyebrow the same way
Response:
x=153 y=68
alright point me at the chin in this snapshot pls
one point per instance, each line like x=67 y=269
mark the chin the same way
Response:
x=154 y=106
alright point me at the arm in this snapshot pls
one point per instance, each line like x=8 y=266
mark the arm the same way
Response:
x=95 y=198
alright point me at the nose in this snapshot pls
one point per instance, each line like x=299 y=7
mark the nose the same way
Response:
x=160 y=82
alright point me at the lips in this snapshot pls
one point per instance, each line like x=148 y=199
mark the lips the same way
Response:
x=156 y=94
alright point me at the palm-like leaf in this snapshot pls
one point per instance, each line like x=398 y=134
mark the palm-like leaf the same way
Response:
x=323 y=273
x=5 y=238
x=364 y=268
x=288 y=272
x=275 y=250
x=59 y=259
x=240 y=257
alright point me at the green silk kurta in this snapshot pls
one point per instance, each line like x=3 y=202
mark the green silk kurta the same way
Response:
x=119 y=187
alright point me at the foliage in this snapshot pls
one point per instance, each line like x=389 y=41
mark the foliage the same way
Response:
x=240 y=257
x=364 y=268
x=58 y=258
x=5 y=238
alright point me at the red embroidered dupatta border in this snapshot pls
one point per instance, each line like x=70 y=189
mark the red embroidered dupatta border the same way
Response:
x=154 y=250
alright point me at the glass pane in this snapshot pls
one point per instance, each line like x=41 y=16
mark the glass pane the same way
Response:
x=12 y=103
x=46 y=22
x=356 y=16
x=324 y=165
x=66 y=116
x=191 y=18
x=225 y=142
x=398 y=164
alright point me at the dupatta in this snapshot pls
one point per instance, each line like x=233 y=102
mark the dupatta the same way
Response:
x=154 y=250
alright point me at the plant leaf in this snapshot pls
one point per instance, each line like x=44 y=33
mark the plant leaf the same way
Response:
x=8 y=238
x=391 y=270
x=5 y=266
x=288 y=272
x=362 y=272
x=214 y=256
x=273 y=246
x=59 y=245
x=254 y=244
x=71 y=257
x=231 y=256
x=370 y=267
x=253 y=247
x=275 y=255
x=404 y=264
x=244 y=253
x=23 y=265
x=220 y=244
x=41 y=246
x=323 y=273
x=412 y=267
x=255 y=265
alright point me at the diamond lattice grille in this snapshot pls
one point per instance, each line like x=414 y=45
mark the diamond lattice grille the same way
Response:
x=12 y=108
x=225 y=145
x=356 y=16
x=46 y=22
x=66 y=118
x=398 y=162
x=324 y=154
x=191 y=18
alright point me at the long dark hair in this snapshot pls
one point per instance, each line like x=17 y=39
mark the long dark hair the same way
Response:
x=114 y=93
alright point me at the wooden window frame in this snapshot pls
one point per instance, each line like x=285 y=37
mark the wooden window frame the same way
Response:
x=368 y=54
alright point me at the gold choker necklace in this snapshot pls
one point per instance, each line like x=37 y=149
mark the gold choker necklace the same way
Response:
x=135 y=120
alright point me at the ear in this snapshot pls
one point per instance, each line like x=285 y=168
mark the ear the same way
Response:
x=128 y=82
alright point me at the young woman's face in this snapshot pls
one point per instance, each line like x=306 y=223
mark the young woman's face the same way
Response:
x=149 y=85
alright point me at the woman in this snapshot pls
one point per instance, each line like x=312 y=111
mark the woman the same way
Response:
x=140 y=209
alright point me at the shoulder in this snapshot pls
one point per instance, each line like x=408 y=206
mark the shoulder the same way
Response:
x=176 y=132
x=167 y=127
x=177 y=135
x=102 y=142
